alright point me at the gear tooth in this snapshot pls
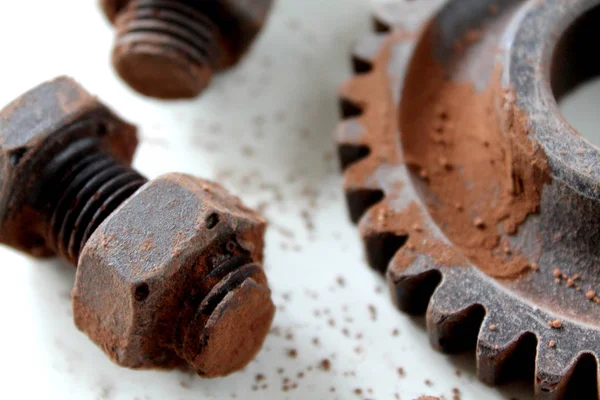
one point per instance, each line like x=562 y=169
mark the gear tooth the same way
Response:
x=385 y=17
x=382 y=236
x=411 y=292
x=351 y=102
x=453 y=317
x=350 y=108
x=361 y=192
x=365 y=51
x=583 y=380
x=351 y=142
x=577 y=379
x=503 y=353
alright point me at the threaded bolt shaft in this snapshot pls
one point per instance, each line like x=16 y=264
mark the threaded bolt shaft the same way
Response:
x=165 y=48
x=83 y=185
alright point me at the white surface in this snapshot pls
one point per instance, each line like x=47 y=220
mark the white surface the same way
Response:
x=264 y=130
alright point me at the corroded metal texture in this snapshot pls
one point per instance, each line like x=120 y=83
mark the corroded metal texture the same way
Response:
x=33 y=129
x=473 y=194
x=170 y=48
x=168 y=271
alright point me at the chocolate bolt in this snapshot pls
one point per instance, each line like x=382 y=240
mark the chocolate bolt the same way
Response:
x=170 y=49
x=168 y=271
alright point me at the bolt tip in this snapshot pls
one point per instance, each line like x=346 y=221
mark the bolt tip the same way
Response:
x=160 y=73
x=235 y=331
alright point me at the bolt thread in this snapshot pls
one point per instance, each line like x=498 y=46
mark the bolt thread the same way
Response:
x=83 y=185
x=169 y=24
x=196 y=295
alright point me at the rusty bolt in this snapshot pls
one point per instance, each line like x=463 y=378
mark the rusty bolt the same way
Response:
x=168 y=271
x=170 y=49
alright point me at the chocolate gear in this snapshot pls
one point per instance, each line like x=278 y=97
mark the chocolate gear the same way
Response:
x=473 y=193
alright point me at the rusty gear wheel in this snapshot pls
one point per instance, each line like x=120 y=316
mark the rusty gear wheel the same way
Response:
x=472 y=193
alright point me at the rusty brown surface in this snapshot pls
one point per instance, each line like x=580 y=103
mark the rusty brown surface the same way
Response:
x=170 y=49
x=32 y=130
x=472 y=193
x=169 y=272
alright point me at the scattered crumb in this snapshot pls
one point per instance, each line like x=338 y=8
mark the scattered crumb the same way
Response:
x=556 y=324
x=292 y=353
x=552 y=343
x=373 y=312
x=556 y=273
x=534 y=266
x=325 y=365
x=479 y=223
x=590 y=294
x=492 y=327
x=455 y=394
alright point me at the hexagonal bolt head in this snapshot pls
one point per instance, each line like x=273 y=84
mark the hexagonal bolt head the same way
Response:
x=169 y=49
x=168 y=271
x=179 y=279
x=33 y=130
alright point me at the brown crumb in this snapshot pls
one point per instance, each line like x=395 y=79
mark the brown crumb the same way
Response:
x=590 y=294
x=473 y=35
x=325 y=365
x=445 y=163
x=401 y=372
x=570 y=282
x=479 y=223
x=260 y=377
x=373 y=312
x=552 y=343
x=455 y=394
x=292 y=353
x=358 y=391
x=556 y=273
x=428 y=382
x=534 y=266
x=556 y=324
x=492 y=327
x=395 y=332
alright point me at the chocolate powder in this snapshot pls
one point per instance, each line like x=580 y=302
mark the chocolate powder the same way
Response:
x=484 y=175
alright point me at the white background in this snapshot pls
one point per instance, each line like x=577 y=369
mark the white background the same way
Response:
x=265 y=131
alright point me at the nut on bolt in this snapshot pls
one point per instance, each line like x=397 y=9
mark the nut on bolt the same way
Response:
x=170 y=49
x=168 y=271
